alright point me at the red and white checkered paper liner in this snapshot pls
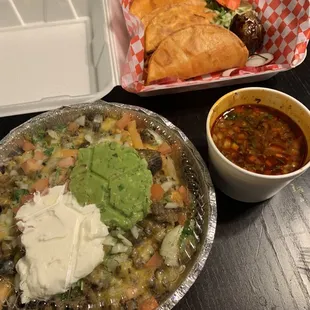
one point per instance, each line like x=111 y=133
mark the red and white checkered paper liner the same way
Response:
x=287 y=25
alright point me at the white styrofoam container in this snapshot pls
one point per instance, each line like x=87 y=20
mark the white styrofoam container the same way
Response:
x=59 y=52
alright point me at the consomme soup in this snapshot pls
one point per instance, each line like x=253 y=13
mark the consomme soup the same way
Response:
x=260 y=139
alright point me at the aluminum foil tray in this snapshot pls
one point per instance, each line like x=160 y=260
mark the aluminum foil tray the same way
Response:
x=193 y=171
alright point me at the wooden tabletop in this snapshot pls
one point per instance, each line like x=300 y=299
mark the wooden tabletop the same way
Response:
x=261 y=253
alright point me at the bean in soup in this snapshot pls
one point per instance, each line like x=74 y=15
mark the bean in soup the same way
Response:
x=260 y=139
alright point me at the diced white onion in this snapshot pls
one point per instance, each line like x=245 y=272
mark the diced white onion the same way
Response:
x=109 y=240
x=167 y=185
x=114 y=262
x=53 y=134
x=119 y=248
x=171 y=205
x=124 y=240
x=171 y=171
x=135 y=232
x=13 y=173
x=98 y=118
x=170 y=247
x=156 y=136
x=89 y=138
x=81 y=120
x=68 y=145
x=21 y=185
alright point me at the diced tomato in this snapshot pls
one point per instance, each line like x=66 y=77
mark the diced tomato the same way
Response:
x=40 y=185
x=155 y=261
x=157 y=192
x=236 y=129
x=73 y=127
x=276 y=148
x=271 y=162
x=15 y=209
x=266 y=140
x=175 y=147
x=185 y=195
x=149 y=304
x=230 y=4
x=124 y=121
x=31 y=165
x=239 y=108
x=39 y=155
x=28 y=146
x=227 y=143
x=235 y=146
x=252 y=158
x=26 y=198
x=66 y=162
x=165 y=148
x=268 y=163
x=182 y=219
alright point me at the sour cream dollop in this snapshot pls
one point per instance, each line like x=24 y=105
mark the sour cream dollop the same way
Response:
x=63 y=243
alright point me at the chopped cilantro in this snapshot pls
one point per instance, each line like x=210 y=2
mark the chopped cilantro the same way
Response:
x=38 y=136
x=60 y=128
x=187 y=230
x=49 y=151
x=17 y=194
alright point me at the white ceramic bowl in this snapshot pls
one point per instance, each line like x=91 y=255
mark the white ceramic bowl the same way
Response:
x=237 y=182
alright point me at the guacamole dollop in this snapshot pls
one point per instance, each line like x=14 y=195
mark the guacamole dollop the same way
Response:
x=116 y=179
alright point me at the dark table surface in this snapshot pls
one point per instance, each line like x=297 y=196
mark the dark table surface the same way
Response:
x=261 y=252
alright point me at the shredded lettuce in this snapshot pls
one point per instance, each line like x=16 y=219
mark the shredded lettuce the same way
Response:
x=225 y=15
